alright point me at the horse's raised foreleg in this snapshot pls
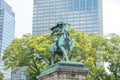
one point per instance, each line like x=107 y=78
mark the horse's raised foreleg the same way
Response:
x=64 y=53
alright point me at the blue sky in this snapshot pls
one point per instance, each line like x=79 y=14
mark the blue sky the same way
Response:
x=23 y=16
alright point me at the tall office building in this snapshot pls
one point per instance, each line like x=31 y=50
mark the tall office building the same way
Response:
x=7 y=25
x=83 y=15
x=18 y=73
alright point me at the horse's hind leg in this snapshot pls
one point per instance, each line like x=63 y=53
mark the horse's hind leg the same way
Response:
x=64 y=53
x=52 y=60
x=71 y=44
x=61 y=57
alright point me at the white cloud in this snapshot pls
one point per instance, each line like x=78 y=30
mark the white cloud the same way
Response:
x=23 y=16
x=111 y=16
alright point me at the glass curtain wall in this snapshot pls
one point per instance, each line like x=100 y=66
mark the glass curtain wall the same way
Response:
x=83 y=15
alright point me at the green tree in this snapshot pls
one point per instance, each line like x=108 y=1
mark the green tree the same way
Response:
x=32 y=52
x=112 y=55
x=87 y=50
x=99 y=45
x=1 y=76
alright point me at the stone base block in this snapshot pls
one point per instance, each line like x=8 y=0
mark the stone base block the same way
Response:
x=64 y=71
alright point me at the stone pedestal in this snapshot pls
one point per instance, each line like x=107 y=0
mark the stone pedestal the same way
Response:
x=64 y=71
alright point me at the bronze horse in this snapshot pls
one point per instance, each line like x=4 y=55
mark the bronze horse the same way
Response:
x=62 y=43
